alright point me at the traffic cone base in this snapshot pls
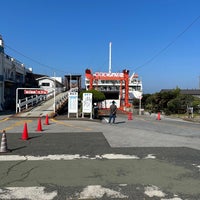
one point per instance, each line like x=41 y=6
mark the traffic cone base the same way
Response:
x=25 y=132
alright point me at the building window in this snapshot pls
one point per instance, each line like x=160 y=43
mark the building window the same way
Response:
x=45 y=84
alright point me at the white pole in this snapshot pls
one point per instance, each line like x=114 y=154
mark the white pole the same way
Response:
x=140 y=99
x=54 y=94
x=70 y=81
x=17 y=100
x=110 y=66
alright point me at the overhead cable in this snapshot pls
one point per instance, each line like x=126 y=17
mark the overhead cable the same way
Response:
x=33 y=60
x=169 y=44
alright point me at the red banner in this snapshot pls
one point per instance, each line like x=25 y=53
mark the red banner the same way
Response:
x=35 y=92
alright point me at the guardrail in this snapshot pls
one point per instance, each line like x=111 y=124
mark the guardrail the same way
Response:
x=34 y=100
x=59 y=102
x=29 y=102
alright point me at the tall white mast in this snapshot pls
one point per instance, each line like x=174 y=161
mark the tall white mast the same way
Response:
x=110 y=45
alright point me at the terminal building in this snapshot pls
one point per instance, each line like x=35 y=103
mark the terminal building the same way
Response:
x=13 y=74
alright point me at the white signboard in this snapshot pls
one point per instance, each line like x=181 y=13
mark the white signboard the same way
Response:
x=87 y=102
x=73 y=102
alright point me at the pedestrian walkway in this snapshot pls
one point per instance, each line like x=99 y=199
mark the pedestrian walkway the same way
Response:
x=48 y=107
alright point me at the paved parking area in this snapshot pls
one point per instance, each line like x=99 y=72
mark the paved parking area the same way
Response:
x=138 y=159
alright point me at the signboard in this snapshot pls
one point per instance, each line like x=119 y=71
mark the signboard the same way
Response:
x=87 y=102
x=73 y=102
x=104 y=74
x=35 y=92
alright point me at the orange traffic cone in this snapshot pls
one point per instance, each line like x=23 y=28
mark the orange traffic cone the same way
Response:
x=39 y=128
x=47 y=120
x=25 y=132
x=4 y=148
x=158 y=117
x=130 y=117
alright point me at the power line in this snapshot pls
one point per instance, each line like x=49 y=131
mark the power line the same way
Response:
x=33 y=60
x=141 y=66
x=169 y=44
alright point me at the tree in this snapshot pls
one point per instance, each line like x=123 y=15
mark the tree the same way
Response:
x=144 y=98
x=170 y=102
x=97 y=96
x=180 y=103
x=196 y=105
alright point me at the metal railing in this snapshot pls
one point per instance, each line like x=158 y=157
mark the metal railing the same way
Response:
x=60 y=101
x=24 y=104
x=34 y=100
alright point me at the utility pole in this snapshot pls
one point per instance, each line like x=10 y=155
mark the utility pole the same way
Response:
x=54 y=94
x=199 y=82
x=110 y=57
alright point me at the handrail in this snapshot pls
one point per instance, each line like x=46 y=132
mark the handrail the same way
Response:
x=28 y=102
x=34 y=100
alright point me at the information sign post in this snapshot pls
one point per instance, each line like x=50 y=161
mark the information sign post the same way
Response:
x=73 y=103
x=87 y=104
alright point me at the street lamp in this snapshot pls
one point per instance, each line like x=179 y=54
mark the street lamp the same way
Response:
x=54 y=94
x=70 y=77
x=140 y=98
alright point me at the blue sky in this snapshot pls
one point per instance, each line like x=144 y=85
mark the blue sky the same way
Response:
x=158 y=39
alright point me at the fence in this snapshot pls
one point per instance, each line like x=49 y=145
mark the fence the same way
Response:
x=60 y=101
x=34 y=100
x=29 y=102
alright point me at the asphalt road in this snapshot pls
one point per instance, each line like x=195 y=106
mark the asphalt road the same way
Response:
x=143 y=158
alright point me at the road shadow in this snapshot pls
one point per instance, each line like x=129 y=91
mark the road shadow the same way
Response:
x=18 y=148
x=121 y=122
x=33 y=137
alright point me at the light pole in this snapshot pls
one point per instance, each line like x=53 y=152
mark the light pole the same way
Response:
x=54 y=97
x=54 y=94
x=140 y=98
x=70 y=77
x=199 y=82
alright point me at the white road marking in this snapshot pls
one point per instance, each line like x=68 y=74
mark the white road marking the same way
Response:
x=30 y=193
x=69 y=157
x=150 y=156
x=97 y=191
x=154 y=191
x=89 y=192
x=175 y=198
x=198 y=166
x=119 y=156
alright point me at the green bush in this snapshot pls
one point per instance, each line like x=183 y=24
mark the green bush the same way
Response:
x=170 y=102
x=97 y=96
